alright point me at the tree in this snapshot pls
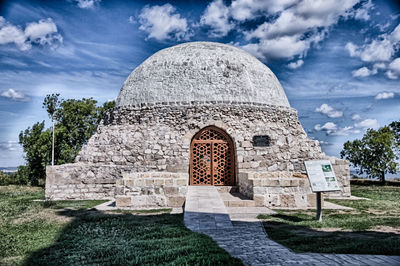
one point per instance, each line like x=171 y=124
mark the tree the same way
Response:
x=51 y=103
x=395 y=127
x=374 y=154
x=76 y=120
x=36 y=142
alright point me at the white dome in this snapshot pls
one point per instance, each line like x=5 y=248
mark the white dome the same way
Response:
x=202 y=71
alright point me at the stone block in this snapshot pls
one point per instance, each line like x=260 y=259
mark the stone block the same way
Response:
x=149 y=182
x=259 y=200
x=181 y=182
x=312 y=199
x=270 y=183
x=285 y=182
x=176 y=201
x=171 y=191
x=257 y=182
x=158 y=182
x=287 y=200
x=139 y=182
x=129 y=183
x=294 y=183
x=156 y=201
x=123 y=201
x=169 y=182
x=139 y=201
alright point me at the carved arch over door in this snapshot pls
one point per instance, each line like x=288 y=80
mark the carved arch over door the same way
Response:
x=212 y=158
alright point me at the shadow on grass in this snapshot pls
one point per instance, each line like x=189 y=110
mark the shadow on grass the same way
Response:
x=287 y=217
x=304 y=239
x=95 y=237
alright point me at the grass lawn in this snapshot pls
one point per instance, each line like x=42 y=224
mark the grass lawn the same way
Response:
x=373 y=227
x=70 y=233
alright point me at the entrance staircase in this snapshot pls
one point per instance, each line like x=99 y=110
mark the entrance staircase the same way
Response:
x=240 y=207
x=211 y=208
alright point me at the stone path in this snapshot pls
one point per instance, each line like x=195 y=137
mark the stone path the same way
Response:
x=248 y=241
x=205 y=210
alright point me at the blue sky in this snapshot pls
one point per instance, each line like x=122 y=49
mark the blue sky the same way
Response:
x=338 y=60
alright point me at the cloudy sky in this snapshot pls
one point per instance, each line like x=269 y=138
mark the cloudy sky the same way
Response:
x=338 y=60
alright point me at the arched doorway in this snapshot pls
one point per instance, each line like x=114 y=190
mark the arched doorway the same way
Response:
x=212 y=158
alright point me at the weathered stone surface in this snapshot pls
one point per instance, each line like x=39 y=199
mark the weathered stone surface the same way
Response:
x=202 y=71
x=123 y=201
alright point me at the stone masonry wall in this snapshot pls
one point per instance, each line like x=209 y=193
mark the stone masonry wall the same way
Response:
x=82 y=181
x=277 y=189
x=151 y=189
x=342 y=172
x=157 y=138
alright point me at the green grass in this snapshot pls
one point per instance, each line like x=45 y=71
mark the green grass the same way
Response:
x=70 y=233
x=373 y=227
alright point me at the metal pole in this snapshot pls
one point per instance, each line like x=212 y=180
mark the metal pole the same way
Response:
x=52 y=146
x=319 y=207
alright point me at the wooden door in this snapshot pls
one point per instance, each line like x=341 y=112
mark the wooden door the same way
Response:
x=212 y=158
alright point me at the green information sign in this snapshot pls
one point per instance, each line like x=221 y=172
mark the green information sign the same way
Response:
x=321 y=175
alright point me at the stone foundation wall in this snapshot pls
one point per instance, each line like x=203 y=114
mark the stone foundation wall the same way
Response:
x=152 y=189
x=342 y=172
x=278 y=189
x=82 y=181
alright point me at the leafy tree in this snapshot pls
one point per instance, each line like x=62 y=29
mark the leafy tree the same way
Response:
x=395 y=127
x=36 y=142
x=76 y=121
x=374 y=154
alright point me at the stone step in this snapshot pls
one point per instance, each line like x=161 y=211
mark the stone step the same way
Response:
x=235 y=199
x=239 y=203
x=227 y=189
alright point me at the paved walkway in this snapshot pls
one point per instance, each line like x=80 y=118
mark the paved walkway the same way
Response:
x=248 y=241
x=205 y=210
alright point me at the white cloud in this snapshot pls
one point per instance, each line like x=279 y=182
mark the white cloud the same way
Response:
x=297 y=28
x=8 y=145
x=356 y=117
x=345 y=131
x=363 y=12
x=381 y=49
x=394 y=69
x=43 y=32
x=352 y=49
x=297 y=64
x=242 y=10
x=364 y=72
x=131 y=20
x=14 y=95
x=162 y=23
x=329 y=111
x=216 y=16
x=329 y=127
x=384 y=95
x=367 y=123
x=332 y=129
x=86 y=4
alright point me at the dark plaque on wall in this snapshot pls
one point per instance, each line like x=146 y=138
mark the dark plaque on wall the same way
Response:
x=261 y=141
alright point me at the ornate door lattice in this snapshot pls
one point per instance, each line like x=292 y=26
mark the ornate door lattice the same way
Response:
x=212 y=158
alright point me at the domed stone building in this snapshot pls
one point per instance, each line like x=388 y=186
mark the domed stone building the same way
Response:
x=197 y=113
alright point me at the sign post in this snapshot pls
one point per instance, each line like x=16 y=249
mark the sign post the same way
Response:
x=322 y=179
